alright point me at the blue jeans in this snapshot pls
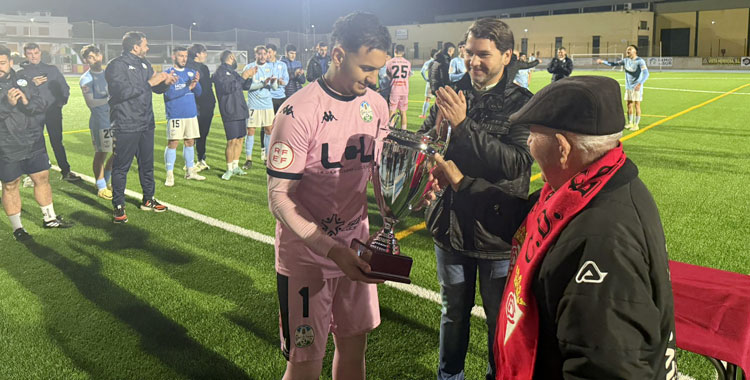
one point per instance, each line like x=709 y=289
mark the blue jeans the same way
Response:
x=457 y=275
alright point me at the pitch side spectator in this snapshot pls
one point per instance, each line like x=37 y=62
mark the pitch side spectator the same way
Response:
x=439 y=75
x=561 y=66
x=318 y=64
x=206 y=101
x=590 y=295
x=51 y=84
x=233 y=108
x=22 y=148
x=482 y=143
x=131 y=81
x=296 y=72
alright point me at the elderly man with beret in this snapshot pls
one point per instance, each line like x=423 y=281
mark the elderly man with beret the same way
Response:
x=588 y=294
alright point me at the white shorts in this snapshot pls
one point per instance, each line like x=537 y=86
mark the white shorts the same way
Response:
x=310 y=309
x=260 y=118
x=633 y=95
x=427 y=90
x=181 y=129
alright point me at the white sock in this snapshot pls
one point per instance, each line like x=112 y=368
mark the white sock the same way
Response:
x=630 y=117
x=48 y=212
x=230 y=165
x=637 y=120
x=235 y=164
x=15 y=221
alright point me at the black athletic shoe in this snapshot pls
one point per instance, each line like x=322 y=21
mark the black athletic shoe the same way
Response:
x=21 y=235
x=70 y=177
x=153 y=205
x=247 y=165
x=119 y=216
x=58 y=222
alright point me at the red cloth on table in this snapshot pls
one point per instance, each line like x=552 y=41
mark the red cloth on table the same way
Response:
x=712 y=312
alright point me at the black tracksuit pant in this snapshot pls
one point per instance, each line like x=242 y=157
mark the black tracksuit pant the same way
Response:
x=53 y=121
x=126 y=146
x=205 y=117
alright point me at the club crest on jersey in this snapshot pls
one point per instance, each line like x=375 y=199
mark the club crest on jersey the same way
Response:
x=281 y=156
x=304 y=336
x=22 y=82
x=144 y=65
x=190 y=74
x=365 y=112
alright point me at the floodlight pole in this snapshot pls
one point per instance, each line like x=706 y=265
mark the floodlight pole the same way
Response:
x=190 y=30
x=93 y=33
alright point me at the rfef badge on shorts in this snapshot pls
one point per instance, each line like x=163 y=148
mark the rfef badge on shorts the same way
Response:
x=304 y=336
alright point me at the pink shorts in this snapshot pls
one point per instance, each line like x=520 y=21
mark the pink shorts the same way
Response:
x=399 y=101
x=309 y=309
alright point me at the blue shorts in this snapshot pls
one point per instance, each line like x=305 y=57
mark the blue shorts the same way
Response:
x=11 y=171
x=235 y=129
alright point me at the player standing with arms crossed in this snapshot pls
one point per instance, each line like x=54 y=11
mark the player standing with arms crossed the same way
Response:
x=320 y=159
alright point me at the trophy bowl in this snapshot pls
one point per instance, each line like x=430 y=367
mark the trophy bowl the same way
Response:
x=399 y=179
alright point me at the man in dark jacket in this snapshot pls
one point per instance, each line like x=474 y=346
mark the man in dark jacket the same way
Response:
x=318 y=64
x=233 y=108
x=439 y=69
x=561 y=66
x=51 y=84
x=22 y=148
x=296 y=72
x=590 y=293
x=131 y=80
x=484 y=144
x=205 y=101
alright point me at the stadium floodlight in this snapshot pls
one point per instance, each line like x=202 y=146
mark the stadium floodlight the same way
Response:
x=588 y=61
x=190 y=30
x=525 y=30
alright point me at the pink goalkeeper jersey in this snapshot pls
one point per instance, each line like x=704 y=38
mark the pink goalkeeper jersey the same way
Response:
x=400 y=71
x=327 y=142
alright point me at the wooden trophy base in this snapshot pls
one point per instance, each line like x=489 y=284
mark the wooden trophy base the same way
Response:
x=385 y=266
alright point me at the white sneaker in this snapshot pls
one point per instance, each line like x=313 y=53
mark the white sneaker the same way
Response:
x=634 y=127
x=170 y=179
x=263 y=155
x=192 y=173
x=28 y=182
x=202 y=165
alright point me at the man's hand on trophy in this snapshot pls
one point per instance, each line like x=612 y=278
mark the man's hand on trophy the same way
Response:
x=446 y=173
x=353 y=267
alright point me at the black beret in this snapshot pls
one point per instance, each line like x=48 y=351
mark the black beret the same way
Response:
x=588 y=105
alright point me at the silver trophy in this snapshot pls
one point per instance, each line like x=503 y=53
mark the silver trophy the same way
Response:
x=399 y=180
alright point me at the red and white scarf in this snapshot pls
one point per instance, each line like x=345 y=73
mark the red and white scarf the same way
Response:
x=517 y=333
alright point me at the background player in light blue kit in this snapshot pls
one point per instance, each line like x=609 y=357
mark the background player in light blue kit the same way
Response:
x=182 y=116
x=636 y=73
x=259 y=101
x=427 y=91
x=95 y=93
x=457 y=68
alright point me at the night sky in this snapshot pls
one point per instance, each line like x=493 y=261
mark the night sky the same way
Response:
x=266 y=15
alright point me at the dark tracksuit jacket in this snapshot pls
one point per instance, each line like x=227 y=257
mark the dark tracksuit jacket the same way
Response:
x=619 y=328
x=132 y=115
x=560 y=68
x=58 y=91
x=206 y=103
x=229 y=86
x=295 y=81
x=21 y=135
x=317 y=66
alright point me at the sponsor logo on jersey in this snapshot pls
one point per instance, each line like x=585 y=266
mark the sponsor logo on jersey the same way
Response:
x=332 y=225
x=328 y=116
x=304 y=336
x=350 y=153
x=281 y=156
x=365 y=112
x=590 y=274
x=288 y=110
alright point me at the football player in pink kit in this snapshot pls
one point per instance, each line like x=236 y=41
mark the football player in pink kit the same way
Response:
x=399 y=70
x=321 y=152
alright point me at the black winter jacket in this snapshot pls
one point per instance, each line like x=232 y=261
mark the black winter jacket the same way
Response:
x=560 y=68
x=606 y=309
x=229 y=85
x=21 y=135
x=439 y=76
x=56 y=87
x=316 y=67
x=206 y=100
x=130 y=106
x=295 y=81
x=485 y=146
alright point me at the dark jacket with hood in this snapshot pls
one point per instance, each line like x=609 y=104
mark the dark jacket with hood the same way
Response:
x=21 y=135
x=130 y=106
x=206 y=100
x=484 y=145
x=606 y=309
x=56 y=87
x=229 y=85
x=439 y=68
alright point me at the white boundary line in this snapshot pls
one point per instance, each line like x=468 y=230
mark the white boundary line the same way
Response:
x=696 y=91
x=408 y=288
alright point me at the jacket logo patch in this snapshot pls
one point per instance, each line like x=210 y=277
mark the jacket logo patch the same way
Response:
x=228 y=73
x=130 y=67
x=22 y=82
x=144 y=65
x=590 y=274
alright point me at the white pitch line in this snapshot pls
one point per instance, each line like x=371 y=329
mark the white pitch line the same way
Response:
x=412 y=289
x=408 y=288
x=697 y=91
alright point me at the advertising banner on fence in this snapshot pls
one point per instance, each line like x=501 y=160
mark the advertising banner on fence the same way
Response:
x=721 y=61
x=660 y=61
x=745 y=62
